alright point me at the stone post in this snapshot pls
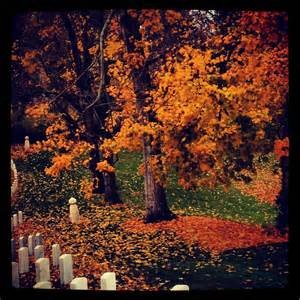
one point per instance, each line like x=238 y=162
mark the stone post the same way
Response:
x=31 y=244
x=38 y=239
x=26 y=143
x=15 y=220
x=13 y=249
x=38 y=252
x=15 y=282
x=42 y=270
x=20 y=217
x=23 y=260
x=108 y=281
x=43 y=285
x=79 y=283
x=56 y=252
x=180 y=287
x=66 y=268
x=74 y=212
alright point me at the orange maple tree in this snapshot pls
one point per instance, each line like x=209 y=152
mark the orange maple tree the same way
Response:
x=201 y=109
x=194 y=91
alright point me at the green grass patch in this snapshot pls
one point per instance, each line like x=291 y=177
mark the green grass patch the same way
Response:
x=231 y=205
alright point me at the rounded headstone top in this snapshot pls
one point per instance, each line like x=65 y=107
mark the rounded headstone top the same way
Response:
x=26 y=137
x=72 y=200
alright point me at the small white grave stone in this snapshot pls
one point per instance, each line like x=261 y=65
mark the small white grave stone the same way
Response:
x=13 y=249
x=23 y=260
x=79 y=283
x=38 y=252
x=43 y=285
x=31 y=244
x=20 y=217
x=15 y=220
x=66 y=268
x=21 y=241
x=56 y=252
x=15 y=275
x=74 y=212
x=38 y=239
x=108 y=281
x=42 y=270
x=26 y=143
x=180 y=287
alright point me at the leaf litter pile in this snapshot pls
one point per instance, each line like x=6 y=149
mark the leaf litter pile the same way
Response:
x=151 y=256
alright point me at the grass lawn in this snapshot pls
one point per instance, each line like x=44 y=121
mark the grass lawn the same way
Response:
x=231 y=205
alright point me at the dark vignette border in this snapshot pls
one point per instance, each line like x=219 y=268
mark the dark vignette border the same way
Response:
x=7 y=13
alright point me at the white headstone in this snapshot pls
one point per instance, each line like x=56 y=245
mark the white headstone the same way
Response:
x=20 y=217
x=21 y=241
x=23 y=260
x=31 y=244
x=66 y=268
x=180 y=287
x=26 y=143
x=38 y=239
x=42 y=270
x=108 y=281
x=43 y=285
x=13 y=249
x=15 y=220
x=38 y=252
x=15 y=275
x=56 y=252
x=74 y=212
x=79 y=283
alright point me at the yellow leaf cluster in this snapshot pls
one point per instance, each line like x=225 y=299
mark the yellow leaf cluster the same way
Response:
x=60 y=163
x=104 y=166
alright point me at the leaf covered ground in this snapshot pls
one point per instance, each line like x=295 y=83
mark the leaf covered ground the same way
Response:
x=158 y=257
x=217 y=241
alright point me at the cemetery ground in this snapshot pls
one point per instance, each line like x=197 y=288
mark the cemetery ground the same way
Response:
x=218 y=241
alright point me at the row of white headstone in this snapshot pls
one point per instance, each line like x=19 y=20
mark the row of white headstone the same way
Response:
x=14 y=185
x=65 y=263
x=16 y=220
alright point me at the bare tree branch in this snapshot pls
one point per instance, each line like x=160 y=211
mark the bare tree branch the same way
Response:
x=96 y=58
x=101 y=61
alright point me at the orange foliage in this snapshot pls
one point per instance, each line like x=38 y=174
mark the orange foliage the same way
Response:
x=104 y=166
x=213 y=235
x=281 y=148
x=60 y=162
x=68 y=75
x=172 y=16
x=28 y=61
x=40 y=113
x=18 y=152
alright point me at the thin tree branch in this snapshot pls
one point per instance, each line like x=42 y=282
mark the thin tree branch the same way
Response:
x=75 y=81
x=101 y=61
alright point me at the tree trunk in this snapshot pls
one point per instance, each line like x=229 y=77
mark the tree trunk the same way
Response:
x=282 y=200
x=155 y=197
x=111 y=195
x=98 y=177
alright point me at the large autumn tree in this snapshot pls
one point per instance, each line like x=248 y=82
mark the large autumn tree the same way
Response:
x=194 y=91
x=202 y=106
x=57 y=61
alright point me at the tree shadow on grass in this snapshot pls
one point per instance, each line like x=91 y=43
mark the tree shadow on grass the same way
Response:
x=256 y=267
